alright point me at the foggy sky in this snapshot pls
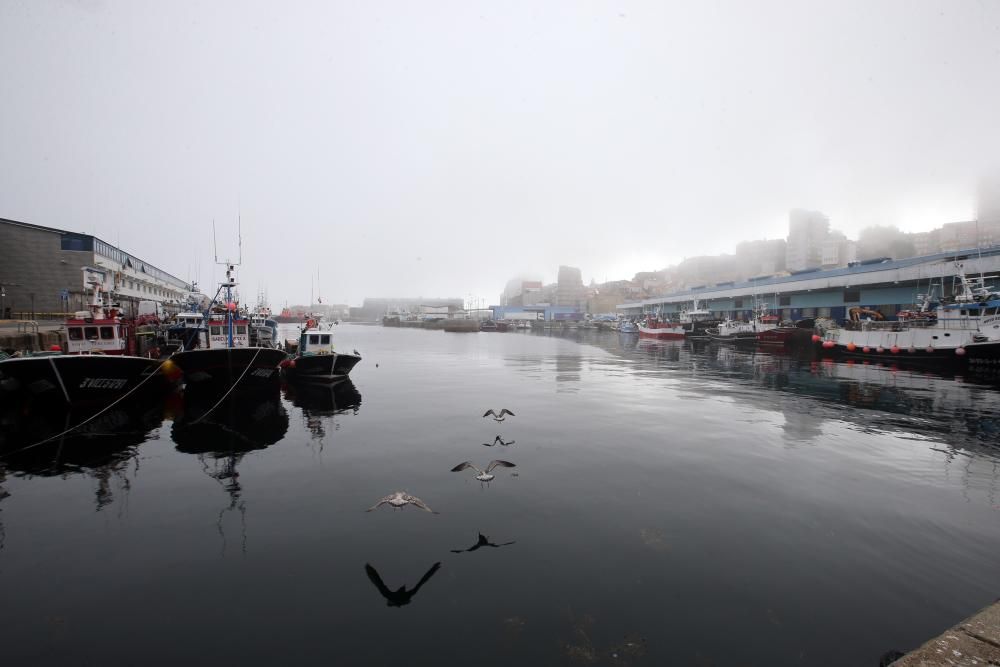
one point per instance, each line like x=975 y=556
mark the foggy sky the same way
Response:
x=440 y=148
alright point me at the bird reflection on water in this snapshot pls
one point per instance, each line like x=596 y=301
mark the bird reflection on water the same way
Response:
x=482 y=541
x=400 y=596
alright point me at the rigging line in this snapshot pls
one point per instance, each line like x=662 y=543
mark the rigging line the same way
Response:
x=230 y=388
x=92 y=417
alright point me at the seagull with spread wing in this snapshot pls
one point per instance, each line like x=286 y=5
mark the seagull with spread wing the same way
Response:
x=484 y=475
x=400 y=499
x=400 y=596
x=498 y=417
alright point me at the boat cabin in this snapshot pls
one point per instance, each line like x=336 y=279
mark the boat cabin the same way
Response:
x=314 y=341
x=189 y=320
x=86 y=335
x=217 y=333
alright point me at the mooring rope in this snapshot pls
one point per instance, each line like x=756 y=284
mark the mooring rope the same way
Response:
x=92 y=417
x=217 y=403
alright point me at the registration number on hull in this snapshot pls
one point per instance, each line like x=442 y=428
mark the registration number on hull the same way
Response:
x=103 y=383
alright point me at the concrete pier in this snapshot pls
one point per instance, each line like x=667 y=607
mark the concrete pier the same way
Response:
x=23 y=337
x=974 y=641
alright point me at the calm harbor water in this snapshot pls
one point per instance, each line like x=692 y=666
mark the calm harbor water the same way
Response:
x=670 y=504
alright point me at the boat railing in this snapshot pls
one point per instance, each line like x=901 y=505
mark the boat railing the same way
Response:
x=900 y=325
x=27 y=326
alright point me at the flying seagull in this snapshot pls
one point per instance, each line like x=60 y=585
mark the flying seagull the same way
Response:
x=400 y=596
x=483 y=541
x=401 y=499
x=499 y=417
x=483 y=476
x=498 y=440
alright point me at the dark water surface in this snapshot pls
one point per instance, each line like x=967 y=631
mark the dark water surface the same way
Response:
x=671 y=505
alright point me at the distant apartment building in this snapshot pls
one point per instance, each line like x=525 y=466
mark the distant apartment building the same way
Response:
x=569 y=288
x=763 y=257
x=988 y=200
x=838 y=250
x=521 y=291
x=926 y=243
x=954 y=236
x=807 y=232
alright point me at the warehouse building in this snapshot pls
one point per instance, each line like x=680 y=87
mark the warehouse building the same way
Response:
x=885 y=285
x=42 y=273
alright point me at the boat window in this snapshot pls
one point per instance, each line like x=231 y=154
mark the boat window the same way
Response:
x=990 y=311
x=241 y=330
x=107 y=333
x=325 y=339
x=965 y=312
x=314 y=339
x=216 y=331
x=90 y=333
x=75 y=333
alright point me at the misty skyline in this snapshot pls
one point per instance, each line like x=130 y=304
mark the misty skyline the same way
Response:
x=440 y=149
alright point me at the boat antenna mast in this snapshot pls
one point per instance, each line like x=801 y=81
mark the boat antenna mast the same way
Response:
x=230 y=282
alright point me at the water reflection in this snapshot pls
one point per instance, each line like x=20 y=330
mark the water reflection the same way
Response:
x=400 y=596
x=45 y=444
x=220 y=434
x=482 y=541
x=320 y=403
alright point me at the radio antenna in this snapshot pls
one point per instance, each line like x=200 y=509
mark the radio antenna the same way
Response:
x=239 y=231
x=215 y=244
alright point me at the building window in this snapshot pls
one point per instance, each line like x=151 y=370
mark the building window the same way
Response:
x=737 y=303
x=784 y=300
x=852 y=296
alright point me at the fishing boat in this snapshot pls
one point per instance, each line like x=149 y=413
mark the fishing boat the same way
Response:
x=697 y=320
x=964 y=331
x=628 y=327
x=780 y=335
x=263 y=327
x=315 y=360
x=654 y=327
x=106 y=358
x=738 y=331
x=225 y=355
